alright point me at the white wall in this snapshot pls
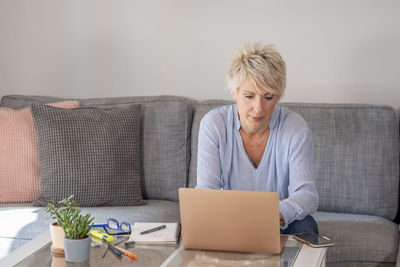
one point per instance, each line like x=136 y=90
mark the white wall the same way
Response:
x=336 y=51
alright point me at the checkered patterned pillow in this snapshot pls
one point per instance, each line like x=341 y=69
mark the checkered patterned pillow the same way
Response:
x=89 y=152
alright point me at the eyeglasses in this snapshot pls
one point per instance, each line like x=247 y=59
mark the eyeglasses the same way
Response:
x=113 y=227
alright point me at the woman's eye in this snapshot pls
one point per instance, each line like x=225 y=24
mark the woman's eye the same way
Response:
x=248 y=96
x=268 y=97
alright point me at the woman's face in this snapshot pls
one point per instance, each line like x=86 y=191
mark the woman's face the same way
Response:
x=255 y=109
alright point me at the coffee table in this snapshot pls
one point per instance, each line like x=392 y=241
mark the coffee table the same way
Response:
x=37 y=253
x=294 y=254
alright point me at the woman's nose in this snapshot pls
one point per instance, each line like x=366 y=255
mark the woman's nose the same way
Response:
x=258 y=105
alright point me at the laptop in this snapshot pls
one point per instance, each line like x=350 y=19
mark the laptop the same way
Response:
x=230 y=220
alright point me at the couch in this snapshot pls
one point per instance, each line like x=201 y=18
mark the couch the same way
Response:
x=356 y=173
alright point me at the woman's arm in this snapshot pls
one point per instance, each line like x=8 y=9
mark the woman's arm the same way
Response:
x=303 y=197
x=208 y=160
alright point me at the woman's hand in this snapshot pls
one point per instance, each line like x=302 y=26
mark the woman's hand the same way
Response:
x=281 y=220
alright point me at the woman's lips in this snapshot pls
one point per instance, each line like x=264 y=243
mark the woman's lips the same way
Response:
x=256 y=119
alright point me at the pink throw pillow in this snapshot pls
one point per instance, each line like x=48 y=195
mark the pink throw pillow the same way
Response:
x=19 y=166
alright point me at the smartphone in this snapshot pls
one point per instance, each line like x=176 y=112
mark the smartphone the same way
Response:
x=313 y=240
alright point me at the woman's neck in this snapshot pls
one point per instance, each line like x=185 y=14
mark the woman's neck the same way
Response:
x=254 y=139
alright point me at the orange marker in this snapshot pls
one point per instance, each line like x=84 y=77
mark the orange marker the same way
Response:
x=127 y=253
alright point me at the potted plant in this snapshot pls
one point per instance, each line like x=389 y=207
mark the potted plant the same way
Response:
x=76 y=228
x=56 y=212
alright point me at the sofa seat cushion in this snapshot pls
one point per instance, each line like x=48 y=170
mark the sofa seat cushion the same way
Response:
x=153 y=211
x=24 y=222
x=359 y=238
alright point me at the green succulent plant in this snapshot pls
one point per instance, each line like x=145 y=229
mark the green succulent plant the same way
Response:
x=69 y=217
x=64 y=206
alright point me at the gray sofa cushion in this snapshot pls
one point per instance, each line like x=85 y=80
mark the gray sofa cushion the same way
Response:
x=356 y=155
x=91 y=153
x=165 y=138
x=21 y=101
x=398 y=257
x=359 y=238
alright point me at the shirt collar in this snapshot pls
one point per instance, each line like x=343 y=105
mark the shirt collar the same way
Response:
x=272 y=123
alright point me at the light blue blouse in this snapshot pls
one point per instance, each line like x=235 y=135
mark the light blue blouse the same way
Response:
x=287 y=165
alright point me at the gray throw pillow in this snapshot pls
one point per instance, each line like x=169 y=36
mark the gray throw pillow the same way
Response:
x=92 y=153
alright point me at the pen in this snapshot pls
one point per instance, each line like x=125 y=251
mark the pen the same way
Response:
x=153 y=229
x=127 y=253
x=114 y=250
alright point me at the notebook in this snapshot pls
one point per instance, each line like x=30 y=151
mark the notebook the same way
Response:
x=230 y=220
x=167 y=236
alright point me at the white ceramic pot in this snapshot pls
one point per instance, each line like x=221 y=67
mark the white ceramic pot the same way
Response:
x=57 y=239
x=77 y=250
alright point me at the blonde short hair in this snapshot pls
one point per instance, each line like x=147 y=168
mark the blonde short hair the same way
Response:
x=263 y=64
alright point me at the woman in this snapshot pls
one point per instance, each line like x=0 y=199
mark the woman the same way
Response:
x=256 y=145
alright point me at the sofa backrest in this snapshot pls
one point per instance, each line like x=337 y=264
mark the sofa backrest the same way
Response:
x=356 y=154
x=165 y=138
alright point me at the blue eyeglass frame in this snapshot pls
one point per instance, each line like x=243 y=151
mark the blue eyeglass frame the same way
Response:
x=119 y=227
